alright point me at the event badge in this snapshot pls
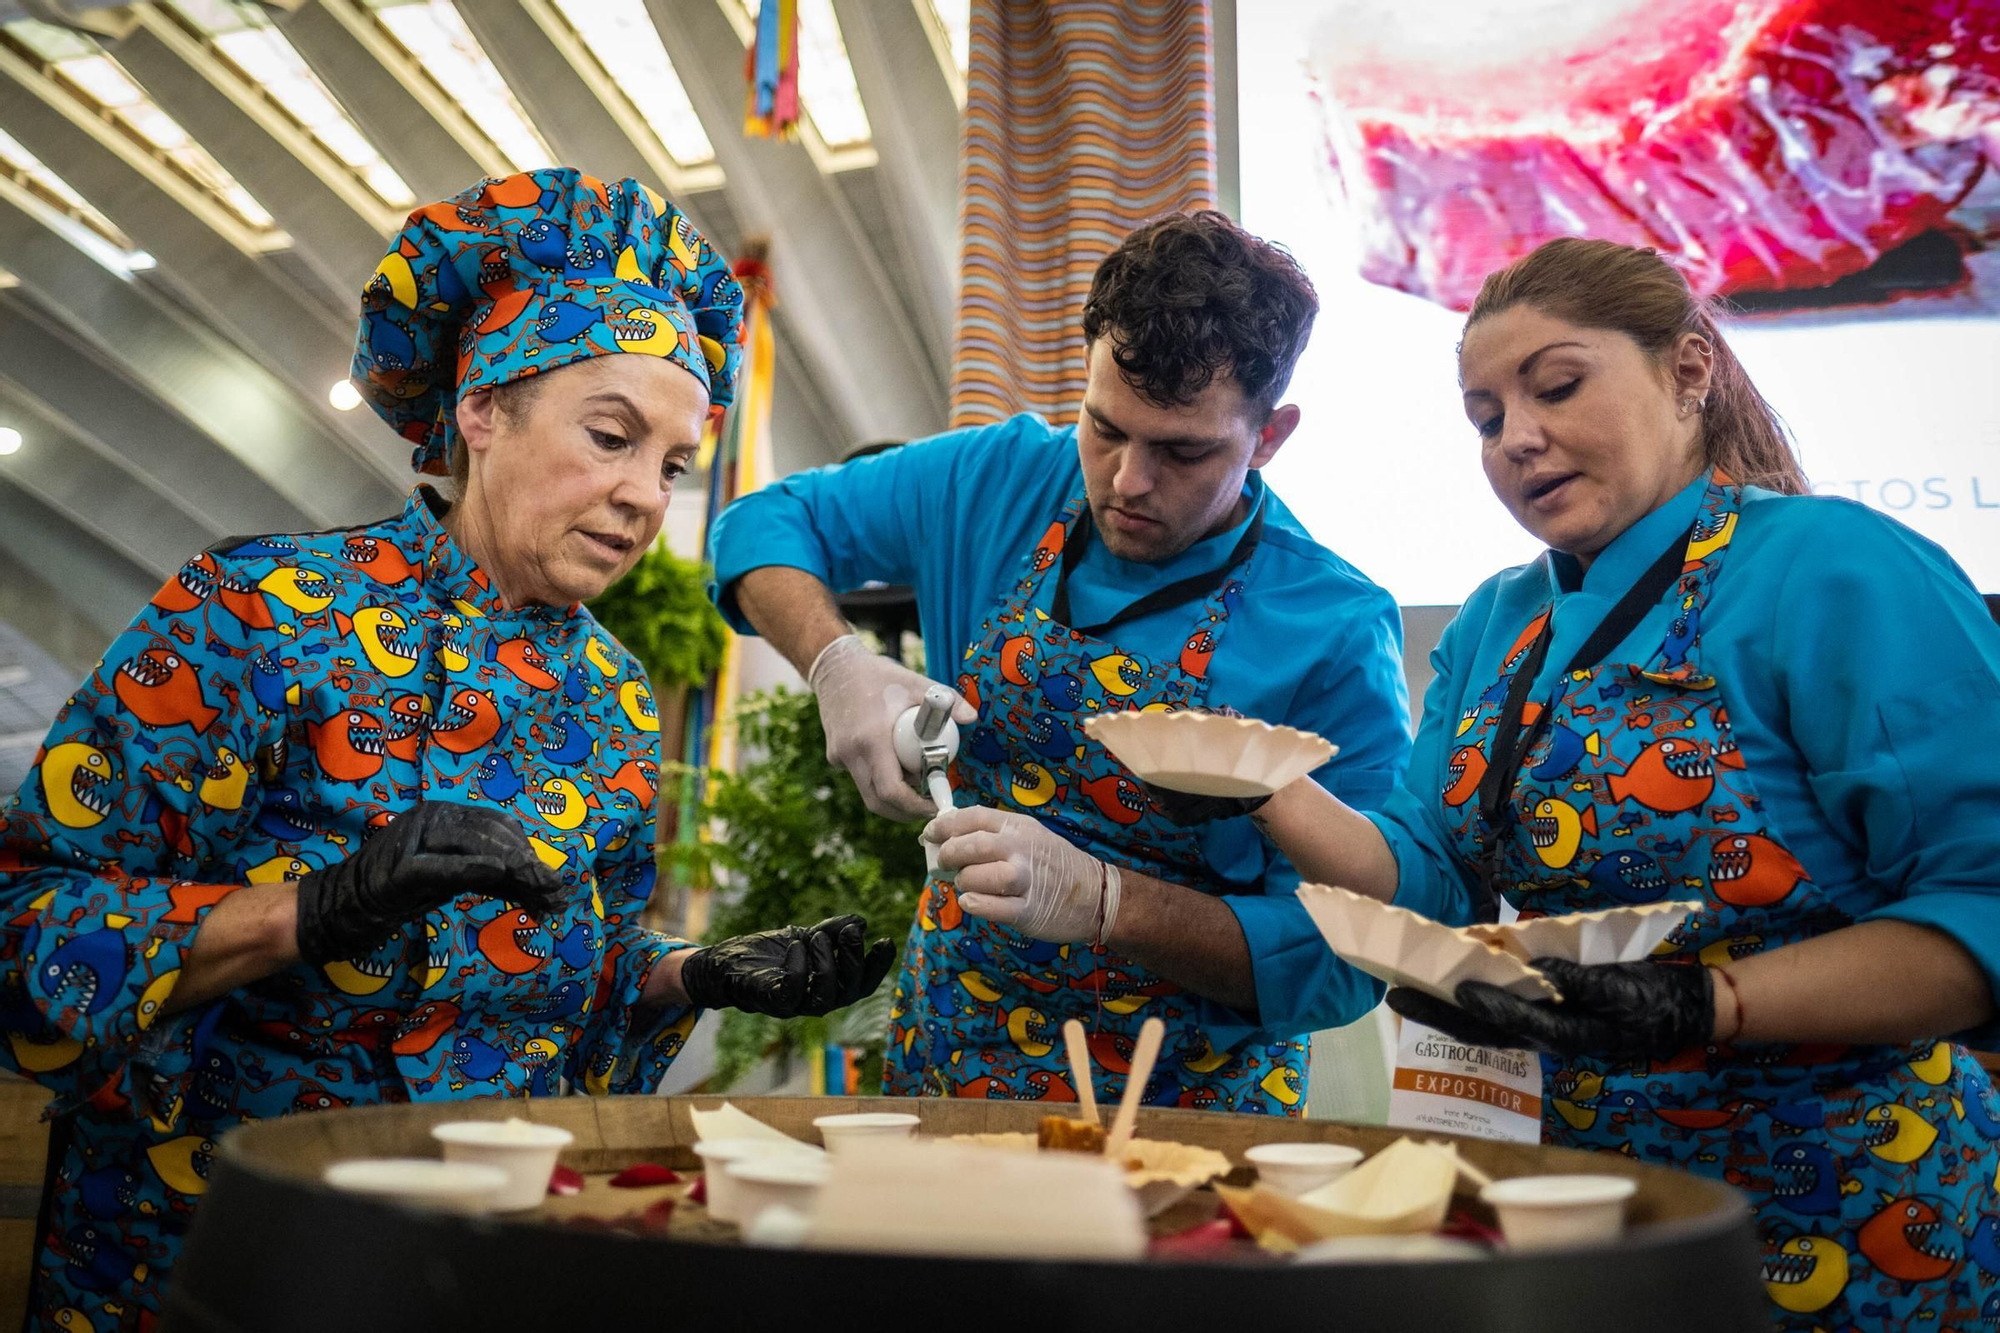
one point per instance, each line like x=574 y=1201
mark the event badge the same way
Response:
x=1443 y=1084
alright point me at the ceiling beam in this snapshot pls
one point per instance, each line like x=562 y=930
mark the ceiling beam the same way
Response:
x=915 y=126
x=836 y=303
x=66 y=591
x=337 y=226
x=301 y=340
x=195 y=374
x=404 y=119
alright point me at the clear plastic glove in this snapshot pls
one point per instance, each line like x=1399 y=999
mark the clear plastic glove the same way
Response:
x=790 y=972
x=1015 y=870
x=1612 y=1011
x=861 y=693
x=413 y=865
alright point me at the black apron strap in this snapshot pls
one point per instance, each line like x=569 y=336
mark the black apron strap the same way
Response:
x=1189 y=589
x=1512 y=740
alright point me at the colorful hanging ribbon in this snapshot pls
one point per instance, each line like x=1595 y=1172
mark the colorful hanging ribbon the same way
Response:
x=771 y=67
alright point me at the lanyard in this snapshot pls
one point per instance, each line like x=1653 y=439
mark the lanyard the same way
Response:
x=1512 y=740
x=1175 y=593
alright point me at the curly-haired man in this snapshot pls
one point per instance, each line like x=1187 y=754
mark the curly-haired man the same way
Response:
x=1134 y=560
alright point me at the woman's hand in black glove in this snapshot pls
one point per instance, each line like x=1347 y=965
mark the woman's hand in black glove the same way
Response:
x=1186 y=810
x=789 y=972
x=421 y=860
x=1612 y=1011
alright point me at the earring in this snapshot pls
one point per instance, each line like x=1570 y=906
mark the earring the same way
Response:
x=1687 y=406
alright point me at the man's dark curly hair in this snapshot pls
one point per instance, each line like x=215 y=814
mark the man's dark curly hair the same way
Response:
x=1193 y=296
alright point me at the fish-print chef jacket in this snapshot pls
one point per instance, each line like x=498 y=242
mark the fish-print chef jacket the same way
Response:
x=279 y=699
x=1861 y=672
x=1315 y=644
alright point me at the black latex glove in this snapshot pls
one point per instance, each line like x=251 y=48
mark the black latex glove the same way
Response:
x=1185 y=809
x=791 y=971
x=421 y=860
x=1613 y=1011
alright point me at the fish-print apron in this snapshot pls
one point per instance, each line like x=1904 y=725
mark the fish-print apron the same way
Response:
x=1871 y=1168
x=978 y=1009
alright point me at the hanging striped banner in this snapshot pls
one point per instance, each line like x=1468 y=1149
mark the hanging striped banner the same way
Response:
x=1083 y=119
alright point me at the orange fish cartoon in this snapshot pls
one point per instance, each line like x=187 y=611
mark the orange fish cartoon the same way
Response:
x=639 y=779
x=188 y=900
x=1017 y=660
x=192 y=585
x=1118 y=797
x=1196 y=652
x=513 y=942
x=968 y=688
x=162 y=690
x=469 y=720
x=426 y=1024
x=448 y=216
x=1049 y=549
x=380 y=560
x=1526 y=641
x=522 y=658
x=407 y=715
x=241 y=599
x=1751 y=870
x=348 y=745
x=1463 y=774
x=1727 y=755
x=1902 y=1241
x=1670 y=775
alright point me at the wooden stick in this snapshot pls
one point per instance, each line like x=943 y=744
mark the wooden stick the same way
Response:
x=1079 y=1069
x=1151 y=1033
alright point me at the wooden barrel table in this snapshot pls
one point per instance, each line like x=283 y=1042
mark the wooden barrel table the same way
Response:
x=272 y=1248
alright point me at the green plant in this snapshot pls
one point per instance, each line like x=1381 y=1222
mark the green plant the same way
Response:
x=661 y=612
x=796 y=844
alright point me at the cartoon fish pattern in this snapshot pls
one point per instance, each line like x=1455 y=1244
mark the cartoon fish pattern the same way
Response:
x=1872 y=1169
x=222 y=743
x=978 y=1008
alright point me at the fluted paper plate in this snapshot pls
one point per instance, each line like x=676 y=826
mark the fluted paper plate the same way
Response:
x=1160 y=1173
x=1615 y=935
x=1396 y=945
x=1209 y=754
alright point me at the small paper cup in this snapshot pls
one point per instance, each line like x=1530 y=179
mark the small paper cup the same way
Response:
x=777 y=1181
x=717 y=1155
x=421 y=1182
x=1293 y=1169
x=1550 y=1212
x=526 y=1151
x=844 y=1131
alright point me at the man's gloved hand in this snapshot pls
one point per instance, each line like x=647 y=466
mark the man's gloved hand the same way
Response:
x=861 y=694
x=1014 y=869
x=1185 y=809
x=422 y=859
x=791 y=971
x=1613 y=1011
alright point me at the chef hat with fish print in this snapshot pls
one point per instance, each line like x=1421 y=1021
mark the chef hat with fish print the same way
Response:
x=526 y=273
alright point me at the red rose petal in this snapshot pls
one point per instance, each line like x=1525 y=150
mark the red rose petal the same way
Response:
x=1201 y=1241
x=699 y=1194
x=565 y=1181
x=643 y=1175
x=656 y=1216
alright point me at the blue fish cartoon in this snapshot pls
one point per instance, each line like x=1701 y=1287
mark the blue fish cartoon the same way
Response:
x=984 y=746
x=1628 y=877
x=562 y=1002
x=1805 y=1179
x=263 y=546
x=944 y=999
x=1681 y=636
x=576 y=687
x=1051 y=739
x=389 y=344
x=1984 y=1246
x=96 y=1261
x=267 y=684
x=1798 y=1117
x=476 y=1061
x=570 y=742
x=545 y=245
x=451 y=290
x=108 y=1192
x=637 y=882
x=1566 y=751
x=565 y=321
x=284 y=817
x=497 y=779
x=1063 y=691
x=85 y=971
x=212 y=1089
x=574 y=948
x=1983 y=1110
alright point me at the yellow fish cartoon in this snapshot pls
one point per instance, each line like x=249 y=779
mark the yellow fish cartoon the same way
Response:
x=555 y=858
x=154 y=998
x=1557 y=829
x=1117 y=673
x=1028 y=1026
x=77 y=783
x=72 y=1320
x=358 y=976
x=645 y=332
x=397 y=276
x=1807 y=1272
x=183 y=1162
x=980 y=988
x=595 y=654
x=1207 y=1062
x=437 y=957
x=225 y=781
x=562 y=803
x=1897 y=1134
x=276 y=870
x=1935 y=1067
x=1283 y=1084
x=1707 y=543
x=384 y=635
x=451 y=651
x=637 y=701
x=39 y=1057
x=1032 y=785
x=306 y=591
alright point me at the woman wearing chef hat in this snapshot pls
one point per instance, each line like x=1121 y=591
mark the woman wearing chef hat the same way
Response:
x=367 y=816
x=1714 y=687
